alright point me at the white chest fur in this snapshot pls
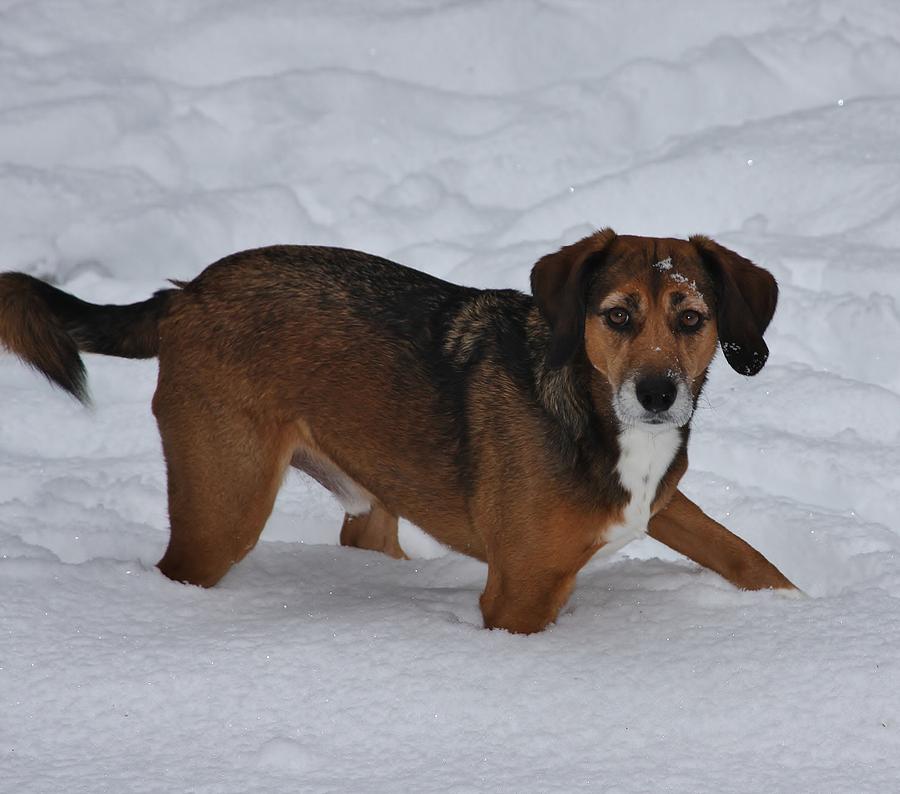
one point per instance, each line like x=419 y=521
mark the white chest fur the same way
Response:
x=645 y=455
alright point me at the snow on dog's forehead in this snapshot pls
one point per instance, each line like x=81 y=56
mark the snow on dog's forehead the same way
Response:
x=667 y=267
x=688 y=284
x=671 y=273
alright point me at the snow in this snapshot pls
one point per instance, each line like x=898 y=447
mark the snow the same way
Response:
x=140 y=142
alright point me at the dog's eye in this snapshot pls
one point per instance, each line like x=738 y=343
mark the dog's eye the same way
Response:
x=618 y=317
x=690 y=320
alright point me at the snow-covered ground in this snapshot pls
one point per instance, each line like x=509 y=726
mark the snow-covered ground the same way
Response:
x=141 y=141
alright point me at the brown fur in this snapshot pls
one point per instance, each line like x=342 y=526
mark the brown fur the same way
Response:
x=30 y=329
x=376 y=530
x=483 y=417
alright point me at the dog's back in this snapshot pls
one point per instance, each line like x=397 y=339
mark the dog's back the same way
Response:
x=369 y=359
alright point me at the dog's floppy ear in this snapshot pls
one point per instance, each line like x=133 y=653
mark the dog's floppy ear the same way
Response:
x=559 y=284
x=746 y=296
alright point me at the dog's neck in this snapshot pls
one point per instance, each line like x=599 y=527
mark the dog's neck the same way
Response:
x=645 y=457
x=580 y=399
x=641 y=455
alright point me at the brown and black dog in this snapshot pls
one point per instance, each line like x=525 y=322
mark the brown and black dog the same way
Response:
x=527 y=432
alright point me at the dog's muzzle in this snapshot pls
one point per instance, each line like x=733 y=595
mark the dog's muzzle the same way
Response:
x=657 y=399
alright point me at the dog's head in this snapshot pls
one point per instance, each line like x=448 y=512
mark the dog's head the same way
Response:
x=647 y=313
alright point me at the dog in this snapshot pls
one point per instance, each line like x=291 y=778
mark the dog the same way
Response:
x=530 y=432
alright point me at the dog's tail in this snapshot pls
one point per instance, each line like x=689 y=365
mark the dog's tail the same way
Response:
x=47 y=328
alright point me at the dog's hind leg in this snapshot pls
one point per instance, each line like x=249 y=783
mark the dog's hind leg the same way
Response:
x=224 y=470
x=368 y=524
x=376 y=530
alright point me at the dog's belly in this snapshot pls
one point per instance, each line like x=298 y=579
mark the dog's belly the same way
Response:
x=391 y=490
x=355 y=499
x=644 y=458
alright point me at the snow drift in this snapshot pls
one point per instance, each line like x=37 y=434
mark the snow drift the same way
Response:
x=141 y=142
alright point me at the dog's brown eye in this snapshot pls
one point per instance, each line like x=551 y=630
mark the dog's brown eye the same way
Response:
x=690 y=319
x=618 y=317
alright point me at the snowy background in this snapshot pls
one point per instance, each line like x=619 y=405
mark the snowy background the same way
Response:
x=142 y=141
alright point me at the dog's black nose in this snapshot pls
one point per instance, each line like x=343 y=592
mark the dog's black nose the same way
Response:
x=656 y=393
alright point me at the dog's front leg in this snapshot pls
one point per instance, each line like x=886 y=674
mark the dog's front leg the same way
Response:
x=531 y=577
x=683 y=526
x=523 y=601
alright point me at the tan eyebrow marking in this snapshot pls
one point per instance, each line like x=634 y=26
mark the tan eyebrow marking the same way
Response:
x=620 y=298
x=691 y=301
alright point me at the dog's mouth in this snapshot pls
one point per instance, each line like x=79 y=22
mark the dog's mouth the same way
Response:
x=657 y=419
x=655 y=423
